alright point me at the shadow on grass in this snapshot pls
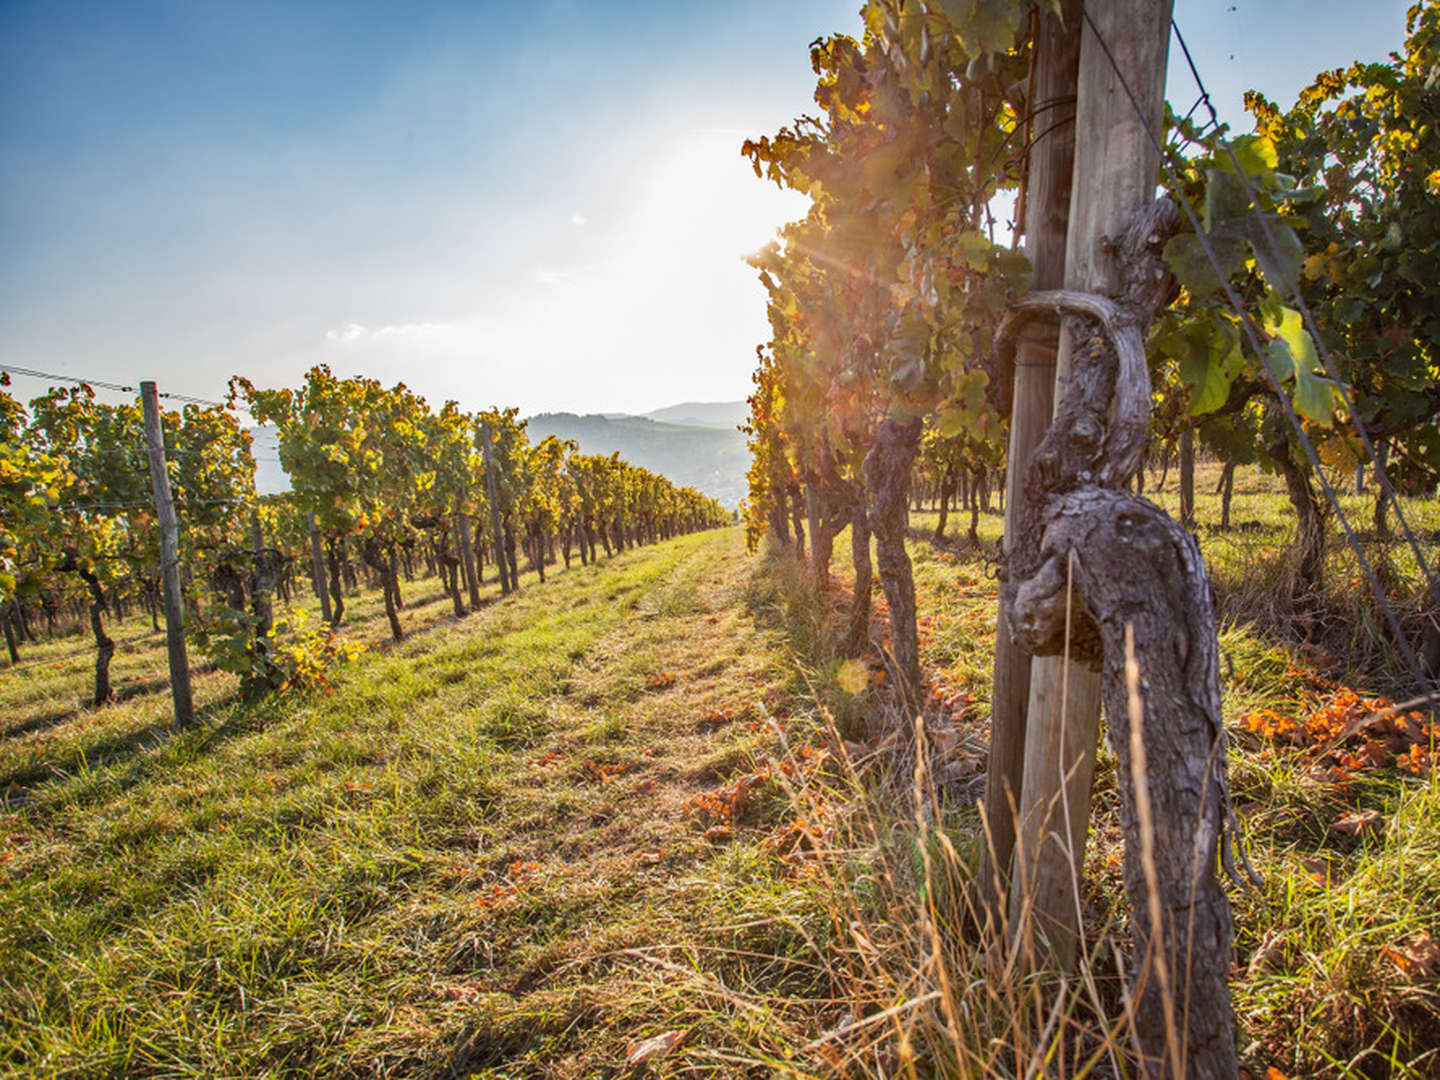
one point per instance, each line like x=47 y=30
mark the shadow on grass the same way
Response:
x=120 y=695
x=22 y=785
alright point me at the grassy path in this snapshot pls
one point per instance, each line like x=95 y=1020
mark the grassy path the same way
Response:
x=519 y=844
x=435 y=871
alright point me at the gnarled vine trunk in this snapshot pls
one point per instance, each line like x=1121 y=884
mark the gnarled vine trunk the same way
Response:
x=1133 y=567
x=1142 y=591
x=104 y=645
x=335 y=556
x=1309 y=522
x=383 y=563
x=887 y=479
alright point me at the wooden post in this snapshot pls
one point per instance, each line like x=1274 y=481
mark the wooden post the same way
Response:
x=169 y=559
x=317 y=568
x=1047 y=208
x=1187 y=476
x=492 y=489
x=467 y=557
x=1114 y=174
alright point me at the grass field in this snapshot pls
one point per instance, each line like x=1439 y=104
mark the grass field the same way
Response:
x=634 y=801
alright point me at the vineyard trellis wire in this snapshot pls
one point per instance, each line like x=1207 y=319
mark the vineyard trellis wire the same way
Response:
x=1287 y=409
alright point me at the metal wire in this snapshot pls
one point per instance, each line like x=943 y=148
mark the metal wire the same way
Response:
x=104 y=385
x=1326 y=358
x=1252 y=336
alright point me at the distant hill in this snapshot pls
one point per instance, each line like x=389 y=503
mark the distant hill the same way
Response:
x=694 y=444
x=716 y=414
x=711 y=459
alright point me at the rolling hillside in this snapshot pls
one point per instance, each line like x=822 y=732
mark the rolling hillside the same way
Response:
x=694 y=444
x=711 y=459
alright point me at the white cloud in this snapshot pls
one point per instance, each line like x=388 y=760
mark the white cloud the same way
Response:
x=356 y=334
x=555 y=279
x=579 y=219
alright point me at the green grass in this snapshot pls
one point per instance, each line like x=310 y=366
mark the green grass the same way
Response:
x=485 y=853
x=341 y=885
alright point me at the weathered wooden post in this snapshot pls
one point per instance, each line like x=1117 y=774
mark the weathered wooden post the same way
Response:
x=492 y=489
x=1115 y=172
x=1047 y=209
x=317 y=568
x=169 y=558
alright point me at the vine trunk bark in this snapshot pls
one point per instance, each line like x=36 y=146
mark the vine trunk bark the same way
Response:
x=887 y=479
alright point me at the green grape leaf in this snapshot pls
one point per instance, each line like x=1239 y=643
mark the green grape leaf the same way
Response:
x=1256 y=154
x=1191 y=264
x=1291 y=354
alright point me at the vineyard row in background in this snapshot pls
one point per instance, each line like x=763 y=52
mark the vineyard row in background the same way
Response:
x=382 y=485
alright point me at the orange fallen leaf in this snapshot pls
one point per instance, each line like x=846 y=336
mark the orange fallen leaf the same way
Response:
x=1321 y=871
x=645 y=787
x=1418 y=956
x=718 y=834
x=1362 y=821
x=659 y=1046
x=1272 y=1073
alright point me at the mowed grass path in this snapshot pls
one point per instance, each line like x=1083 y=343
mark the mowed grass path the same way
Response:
x=436 y=870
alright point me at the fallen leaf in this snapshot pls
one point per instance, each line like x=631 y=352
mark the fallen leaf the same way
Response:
x=650 y=858
x=644 y=787
x=1362 y=821
x=1418 y=956
x=718 y=834
x=1321 y=871
x=1272 y=1073
x=659 y=1046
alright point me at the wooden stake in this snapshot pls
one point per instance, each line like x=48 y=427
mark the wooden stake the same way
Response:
x=1114 y=173
x=467 y=558
x=493 y=490
x=317 y=568
x=169 y=559
x=1047 y=208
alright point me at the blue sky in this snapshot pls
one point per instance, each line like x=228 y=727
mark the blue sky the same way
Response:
x=541 y=205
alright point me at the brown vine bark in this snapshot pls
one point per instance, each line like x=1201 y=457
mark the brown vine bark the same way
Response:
x=104 y=645
x=335 y=555
x=383 y=563
x=10 y=644
x=1133 y=567
x=467 y=556
x=1309 y=523
x=887 y=479
x=1225 y=490
x=947 y=489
